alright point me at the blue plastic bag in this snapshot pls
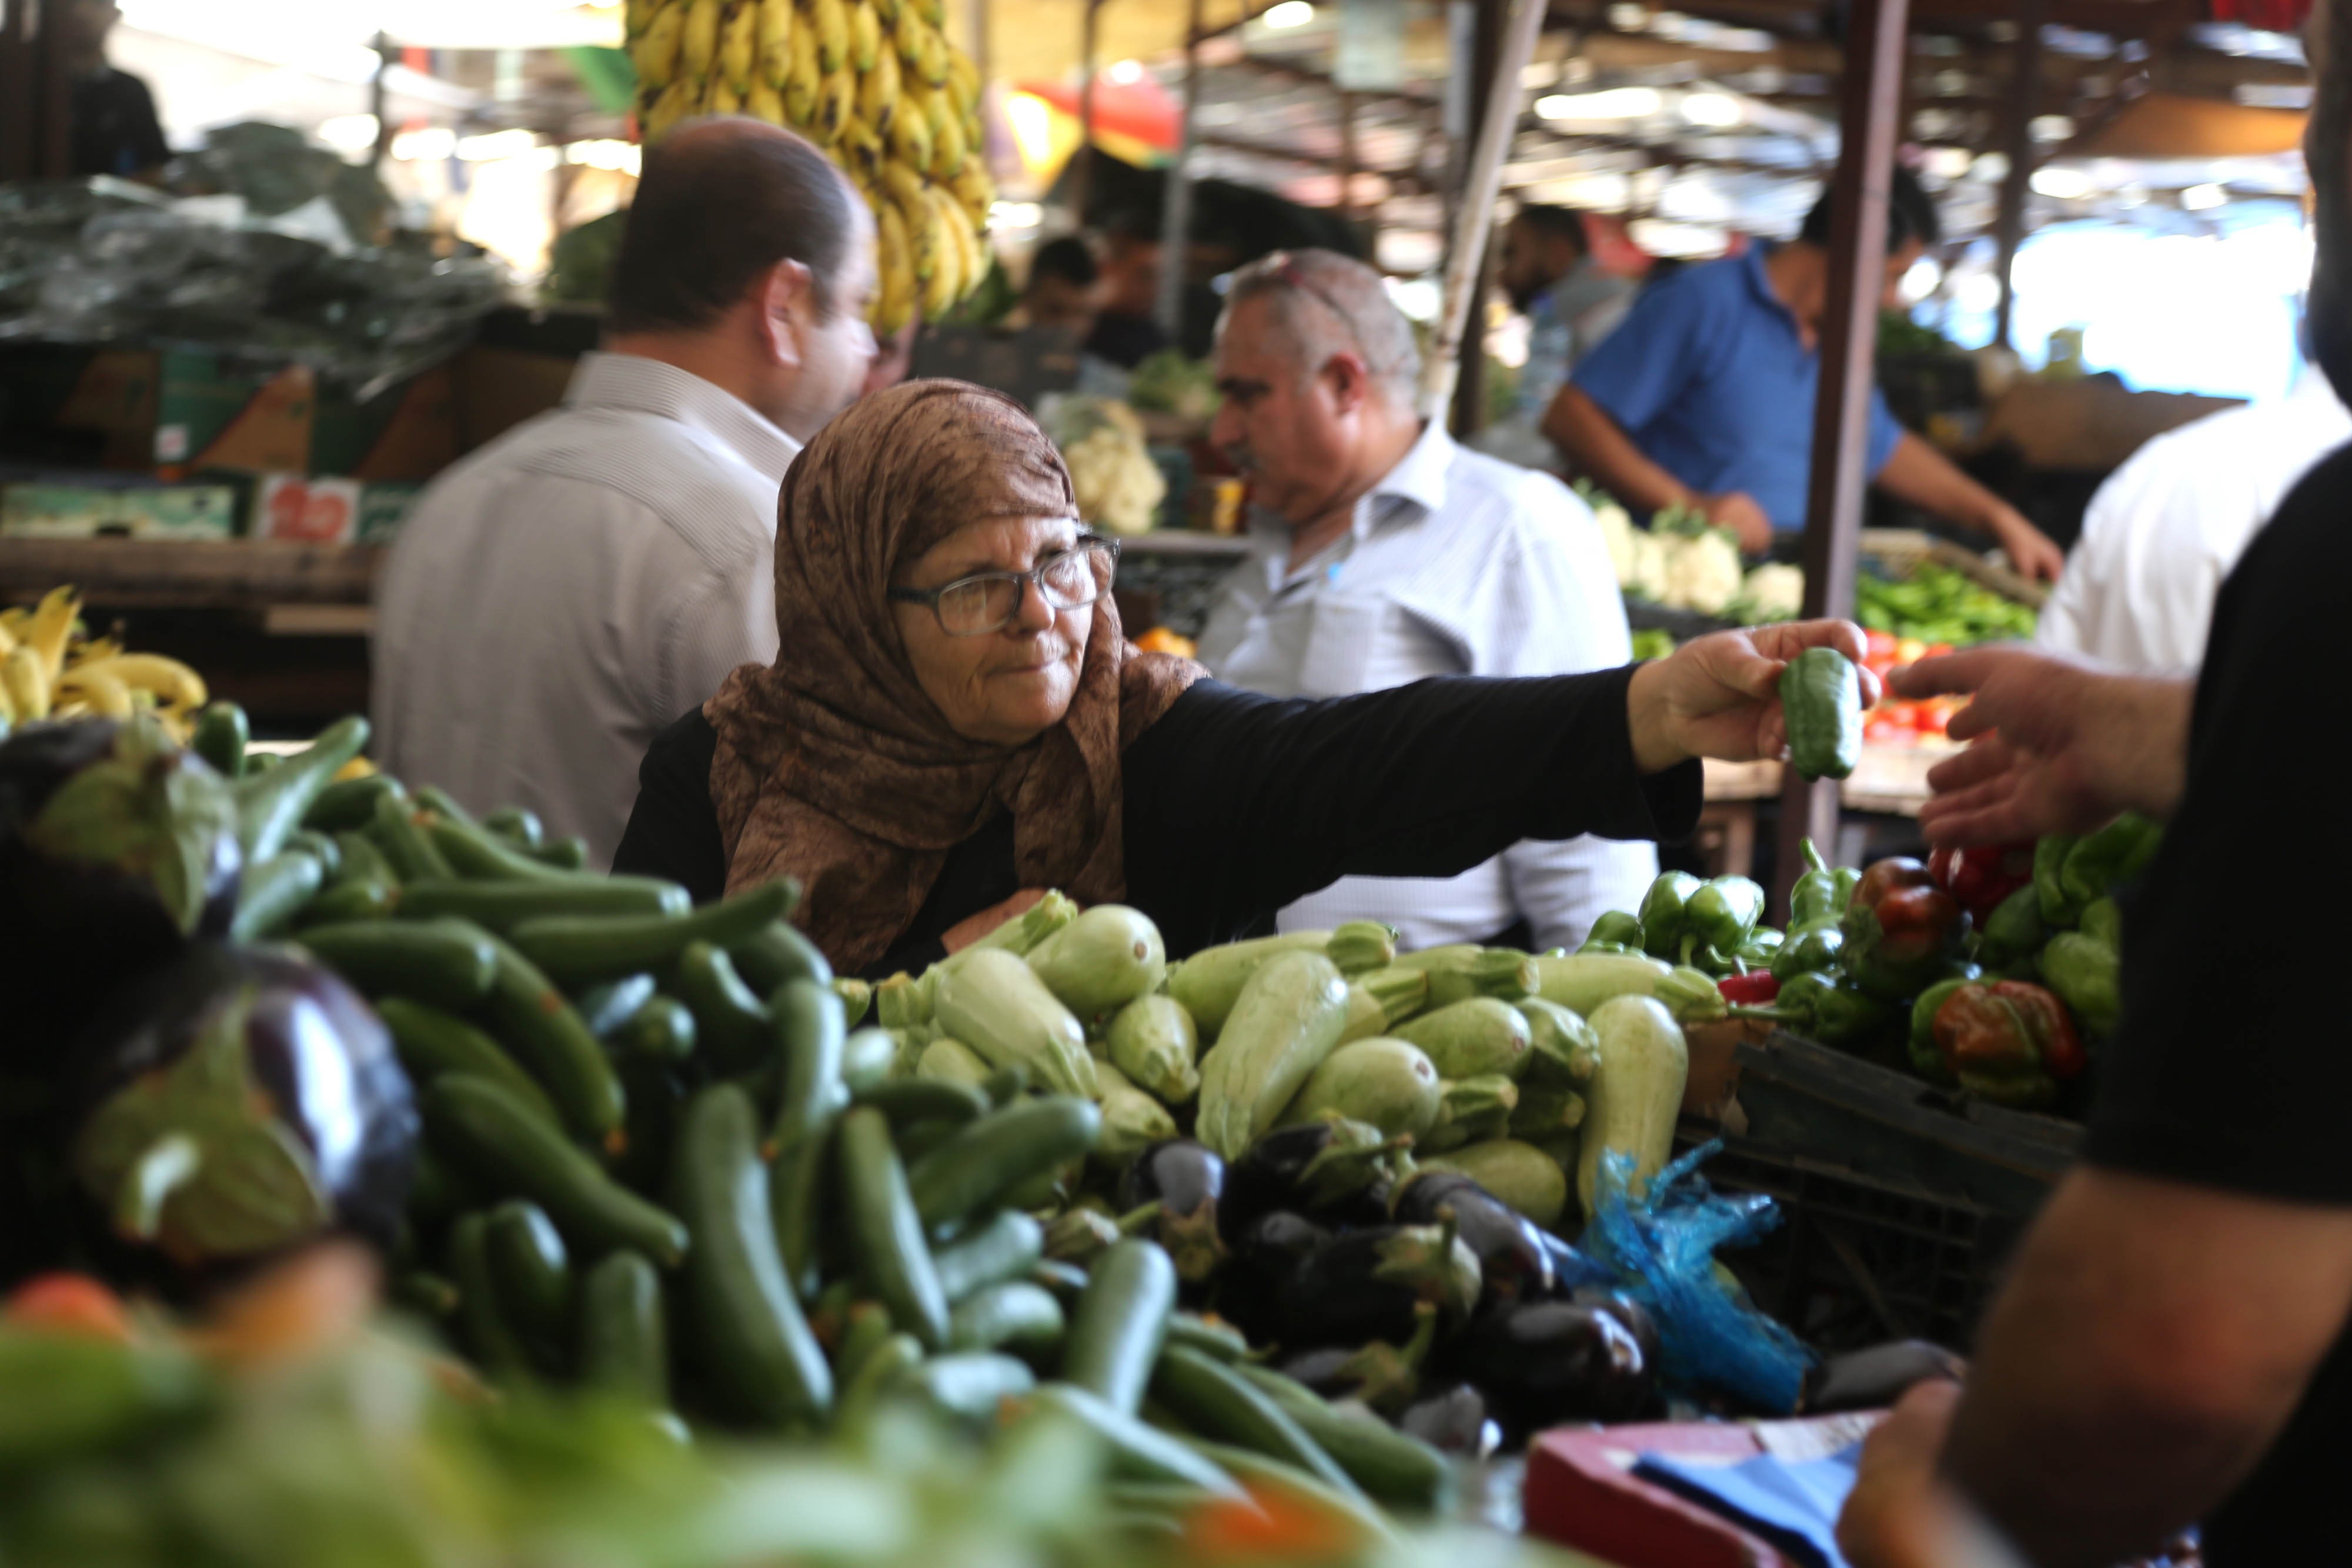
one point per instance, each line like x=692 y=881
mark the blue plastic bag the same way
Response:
x=1661 y=1246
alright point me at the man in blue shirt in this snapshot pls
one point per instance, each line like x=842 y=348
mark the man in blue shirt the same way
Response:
x=1705 y=397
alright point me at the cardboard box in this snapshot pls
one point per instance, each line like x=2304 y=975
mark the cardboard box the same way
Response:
x=74 y=507
x=329 y=510
x=408 y=432
x=499 y=388
x=169 y=412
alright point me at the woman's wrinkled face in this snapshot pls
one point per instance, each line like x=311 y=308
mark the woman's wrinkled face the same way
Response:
x=1002 y=687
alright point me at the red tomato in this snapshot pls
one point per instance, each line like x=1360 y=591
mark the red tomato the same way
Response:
x=68 y=1303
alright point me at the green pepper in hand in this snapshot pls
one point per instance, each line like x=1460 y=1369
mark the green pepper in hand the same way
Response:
x=1665 y=913
x=1821 y=698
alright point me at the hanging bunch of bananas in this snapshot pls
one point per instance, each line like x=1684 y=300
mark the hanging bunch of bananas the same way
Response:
x=875 y=83
x=51 y=668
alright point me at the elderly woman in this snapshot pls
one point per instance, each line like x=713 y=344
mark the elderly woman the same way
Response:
x=955 y=724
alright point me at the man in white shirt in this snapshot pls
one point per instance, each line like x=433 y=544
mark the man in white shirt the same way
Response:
x=2167 y=526
x=561 y=594
x=1383 y=553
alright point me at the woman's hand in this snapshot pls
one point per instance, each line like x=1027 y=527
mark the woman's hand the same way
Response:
x=2057 y=746
x=1899 y=1514
x=1720 y=695
x=972 y=927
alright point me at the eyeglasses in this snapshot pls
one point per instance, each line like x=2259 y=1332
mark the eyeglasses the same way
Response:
x=989 y=601
x=1283 y=267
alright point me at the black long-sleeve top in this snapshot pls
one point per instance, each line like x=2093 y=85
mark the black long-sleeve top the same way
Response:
x=1238 y=804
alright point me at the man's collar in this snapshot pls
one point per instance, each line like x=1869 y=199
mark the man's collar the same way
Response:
x=641 y=385
x=1420 y=473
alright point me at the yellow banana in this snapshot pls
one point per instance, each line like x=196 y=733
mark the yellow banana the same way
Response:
x=831 y=19
x=975 y=254
x=945 y=284
x=935 y=12
x=720 y=99
x=906 y=36
x=654 y=53
x=8 y=641
x=948 y=148
x=28 y=684
x=776 y=42
x=895 y=299
x=765 y=103
x=738 y=47
x=974 y=191
x=865 y=34
x=878 y=90
x=804 y=81
x=676 y=101
x=911 y=135
x=857 y=150
x=697 y=45
x=836 y=101
x=100 y=692
x=888 y=10
x=635 y=17
x=50 y=627
x=963 y=82
x=172 y=681
x=903 y=184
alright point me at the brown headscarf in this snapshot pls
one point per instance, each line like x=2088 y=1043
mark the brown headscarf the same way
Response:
x=833 y=766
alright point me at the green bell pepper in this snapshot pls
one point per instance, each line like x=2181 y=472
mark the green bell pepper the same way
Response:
x=1763 y=944
x=2116 y=853
x=2102 y=920
x=1815 y=895
x=1665 y=913
x=1926 y=1056
x=1826 y=1009
x=1843 y=882
x=1722 y=913
x=2013 y=932
x=2087 y=976
x=2059 y=908
x=1810 y=949
x=1617 y=927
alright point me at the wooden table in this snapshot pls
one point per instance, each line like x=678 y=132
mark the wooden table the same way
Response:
x=1890 y=780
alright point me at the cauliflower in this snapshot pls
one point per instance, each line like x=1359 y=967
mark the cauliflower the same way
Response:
x=1617 y=532
x=1702 y=572
x=1775 y=592
x=1645 y=577
x=1119 y=487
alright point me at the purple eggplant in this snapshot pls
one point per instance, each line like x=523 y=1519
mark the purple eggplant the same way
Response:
x=1188 y=1181
x=1380 y=1374
x=1364 y=1285
x=1454 y=1421
x=1544 y=1363
x=1513 y=1259
x=1259 y=1266
x=1313 y=1168
x=117 y=849
x=240 y=1101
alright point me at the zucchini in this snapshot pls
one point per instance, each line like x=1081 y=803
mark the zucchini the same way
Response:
x=1520 y=1174
x=730 y=1024
x=347 y=805
x=1216 y=1401
x=486 y=1132
x=1102 y=960
x=502 y=905
x=1132 y=1121
x=755 y=1347
x=776 y=952
x=1446 y=955
x=623 y=1341
x=995 y=1004
x=1014 y=1313
x=1154 y=1042
x=1581 y=982
x=1500 y=972
x=531 y=1269
x=271 y=893
x=866 y=1059
x=430 y=1042
x=885 y=1233
x=1389 y=1084
x=1285 y=1021
x=1006 y=1248
x=1633 y=1101
x=1473 y=1038
x=1210 y=982
x=1566 y=1050
x=531 y=1018
x=450 y=966
x=1379 y=1001
x=1121 y=1323
x=946 y=1060
x=972 y=1171
x=271 y=805
x=605 y=1008
x=808 y=1020
x=970 y=1384
x=1137 y=1452
x=1391 y=1467
x=857 y=999
x=582 y=949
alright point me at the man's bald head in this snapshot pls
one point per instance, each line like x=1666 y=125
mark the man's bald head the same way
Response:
x=719 y=203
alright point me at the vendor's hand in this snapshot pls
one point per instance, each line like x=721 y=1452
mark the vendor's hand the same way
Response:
x=1899 y=1513
x=2032 y=553
x=972 y=927
x=2058 y=746
x=1738 y=510
x=1720 y=695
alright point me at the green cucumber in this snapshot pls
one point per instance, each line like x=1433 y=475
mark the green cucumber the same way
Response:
x=530 y=1270
x=481 y=856
x=404 y=843
x=661 y=1030
x=605 y=1008
x=801 y=1199
x=865 y=1330
x=530 y=1018
x=1008 y=1247
x=809 y=1033
x=882 y=1372
x=222 y=733
x=1268 y=1476
x=731 y=1026
x=777 y=953
x=1391 y=1467
x=623 y=1344
x=885 y=1233
x=866 y=1059
x=450 y=966
x=493 y=1341
x=1212 y=1337
x=580 y=949
x=567 y=853
x=907 y=1101
x=357 y=860
x=1137 y=1452
x=970 y=1384
x=272 y=891
x=1012 y=1314
x=271 y=805
x=1121 y=1323
x=343 y=902
x=974 y=1169
x=322 y=847
x=1215 y=1400
x=519 y=825
x=490 y=1134
x=502 y=905
x=1473 y=1038
x=347 y=805
x=754 y=1348
x=431 y=1043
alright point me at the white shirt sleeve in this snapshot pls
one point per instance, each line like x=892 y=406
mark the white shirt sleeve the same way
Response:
x=725 y=622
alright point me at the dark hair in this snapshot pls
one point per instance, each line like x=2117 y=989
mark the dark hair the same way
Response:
x=1910 y=214
x=1558 y=223
x=718 y=206
x=1067 y=259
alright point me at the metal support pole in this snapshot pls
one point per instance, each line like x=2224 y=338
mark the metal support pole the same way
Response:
x=1176 y=197
x=17 y=121
x=2017 y=145
x=1082 y=188
x=1347 y=155
x=1870 y=98
x=1466 y=262
x=379 y=102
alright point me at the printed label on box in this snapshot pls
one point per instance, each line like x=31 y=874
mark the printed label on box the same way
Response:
x=171 y=443
x=311 y=511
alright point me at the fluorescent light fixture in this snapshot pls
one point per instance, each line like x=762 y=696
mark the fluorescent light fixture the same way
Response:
x=1015 y=215
x=349 y=133
x=2062 y=184
x=2197 y=198
x=2051 y=128
x=606 y=152
x=1612 y=103
x=1690 y=241
x=1289 y=13
x=1715 y=109
x=496 y=145
x=1126 y=73
x=429 y=145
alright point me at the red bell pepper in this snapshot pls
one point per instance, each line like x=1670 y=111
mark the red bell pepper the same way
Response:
x=1981 y=877
x=1902 y=931
x=1755 y=988
x=2010 y=1042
